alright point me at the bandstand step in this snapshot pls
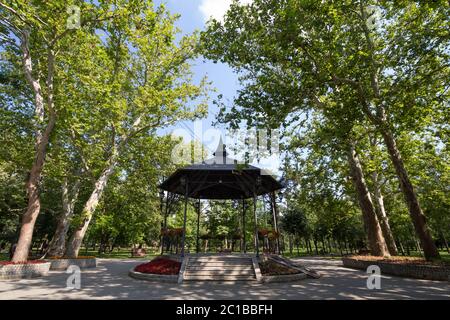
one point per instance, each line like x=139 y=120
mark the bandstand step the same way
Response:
x=218 y=278
x=219 y=268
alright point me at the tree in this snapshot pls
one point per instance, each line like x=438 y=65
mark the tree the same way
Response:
x=40 y=34
x=374 y=233
x=295 y=54
x=325 y=158
x=294 y=222
x=378 y=196
x=148 y=87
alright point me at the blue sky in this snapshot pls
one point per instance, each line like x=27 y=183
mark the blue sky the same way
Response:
x=194 y=14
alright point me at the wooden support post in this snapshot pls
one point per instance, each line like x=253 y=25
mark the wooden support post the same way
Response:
x=198 y=226
x=243 y=245
x=256 y=226
x=183 y=240
x=165 y=223
x=275 y=220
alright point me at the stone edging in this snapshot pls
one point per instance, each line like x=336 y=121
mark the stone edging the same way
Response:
x=258 y=274
x=416 y=271
x=284 y=278
x=152 y=277
x=63 y=264
x=21 y=271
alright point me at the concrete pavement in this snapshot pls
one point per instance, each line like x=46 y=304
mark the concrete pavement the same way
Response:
x=110 y=280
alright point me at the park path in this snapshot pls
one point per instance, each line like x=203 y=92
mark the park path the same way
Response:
x=110 y=281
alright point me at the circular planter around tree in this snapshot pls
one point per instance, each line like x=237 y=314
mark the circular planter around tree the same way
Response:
x=64 y=263
x=30 y=269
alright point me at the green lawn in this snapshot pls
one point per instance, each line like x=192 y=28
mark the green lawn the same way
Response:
x=445 y=256
x=116 y=254
x=125 y=254
x=306 y=254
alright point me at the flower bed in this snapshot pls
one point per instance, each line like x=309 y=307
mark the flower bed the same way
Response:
x=401 y=266
x=271 y=268
x=159 y=265
x=273 y=271
x=26 y=269
x=159 y=269
x=62 y=263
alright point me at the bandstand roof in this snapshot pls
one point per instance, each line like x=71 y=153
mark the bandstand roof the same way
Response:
x=221 y=178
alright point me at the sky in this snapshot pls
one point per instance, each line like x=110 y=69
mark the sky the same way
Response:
x=194 y=15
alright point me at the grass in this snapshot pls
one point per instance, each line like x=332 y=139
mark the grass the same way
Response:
x=445 y=256
x=116 y=254
x=125 y=253
x=295 y=254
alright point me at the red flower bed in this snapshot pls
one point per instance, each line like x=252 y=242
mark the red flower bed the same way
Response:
x=160 y=266
x=5 y=263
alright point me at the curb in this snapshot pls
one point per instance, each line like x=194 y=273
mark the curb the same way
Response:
x=152 y=277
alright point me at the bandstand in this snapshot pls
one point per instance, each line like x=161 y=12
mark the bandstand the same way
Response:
x=222 y=178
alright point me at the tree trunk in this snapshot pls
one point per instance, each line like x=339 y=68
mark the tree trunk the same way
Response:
x=58 y=244
x=376 y=241
x=76 y=240
x=315 y=246
x=382 y=216
x=41 y=144
x=418 y=248
x=290 y=244
x=415 y=211
x=380 y=121
x=402 y=250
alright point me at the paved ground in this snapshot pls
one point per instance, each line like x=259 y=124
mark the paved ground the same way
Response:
x=110 y=281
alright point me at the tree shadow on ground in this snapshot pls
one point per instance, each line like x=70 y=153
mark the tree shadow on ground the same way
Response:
x=110 y=280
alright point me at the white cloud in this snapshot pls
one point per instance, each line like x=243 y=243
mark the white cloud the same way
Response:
x=217 y=8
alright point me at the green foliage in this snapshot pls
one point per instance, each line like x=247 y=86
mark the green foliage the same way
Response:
x=120 y=77
x=328 y=72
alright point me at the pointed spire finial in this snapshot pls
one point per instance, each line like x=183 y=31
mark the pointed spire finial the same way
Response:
x=221 y=152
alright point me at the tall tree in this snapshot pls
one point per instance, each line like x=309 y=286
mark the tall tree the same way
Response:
x=38 y=32
x=378 y=197
x=390 y=58
x=148 y=86
x=376 y=240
